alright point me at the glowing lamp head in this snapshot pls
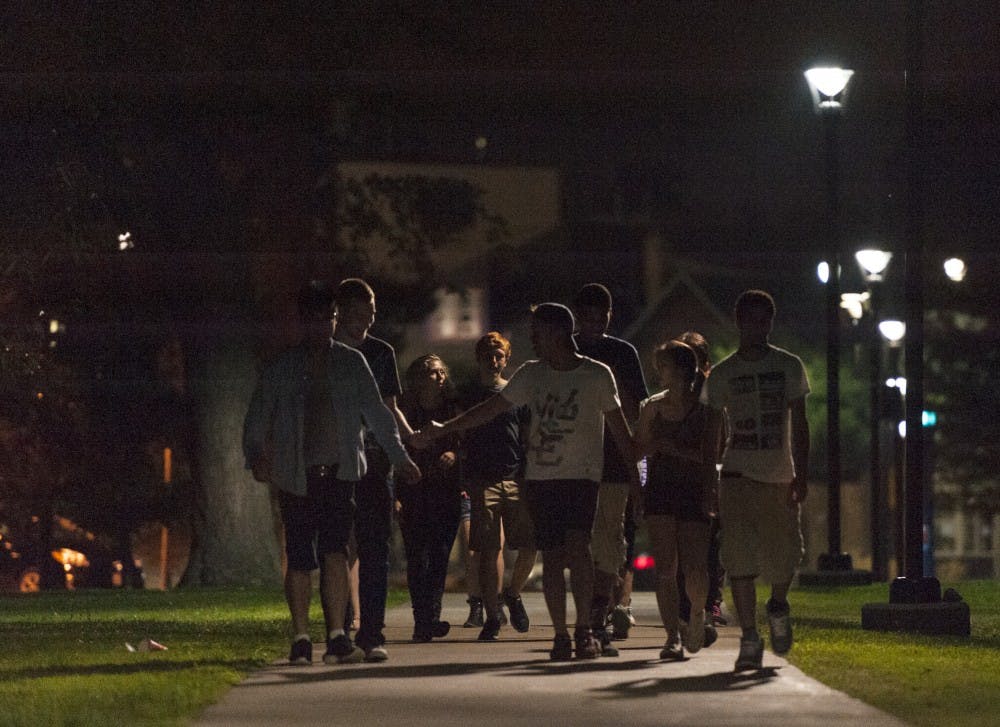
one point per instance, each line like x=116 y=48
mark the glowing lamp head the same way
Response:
x=829 y=87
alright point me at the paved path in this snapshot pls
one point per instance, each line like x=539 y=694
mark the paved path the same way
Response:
x=459 y=681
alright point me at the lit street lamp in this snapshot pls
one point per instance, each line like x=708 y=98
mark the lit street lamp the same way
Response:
x=873 y=264
x=829 y=89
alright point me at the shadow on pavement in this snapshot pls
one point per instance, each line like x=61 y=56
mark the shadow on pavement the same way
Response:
x=718 y=682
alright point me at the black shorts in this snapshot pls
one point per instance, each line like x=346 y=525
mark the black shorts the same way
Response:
x=556 y=506
x=319 y=523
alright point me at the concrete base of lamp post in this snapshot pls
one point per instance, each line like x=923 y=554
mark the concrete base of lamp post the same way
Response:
x=835 y=569
x=917 y=606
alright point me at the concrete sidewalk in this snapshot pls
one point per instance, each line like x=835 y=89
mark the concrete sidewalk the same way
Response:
x=459 y=681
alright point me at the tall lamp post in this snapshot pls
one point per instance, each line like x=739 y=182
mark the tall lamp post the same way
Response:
x=828 y=86
x=873 y=264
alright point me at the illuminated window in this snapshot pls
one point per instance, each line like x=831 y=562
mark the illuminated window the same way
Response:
x=458 y=316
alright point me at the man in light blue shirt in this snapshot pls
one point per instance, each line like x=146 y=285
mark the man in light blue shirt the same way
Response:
x=303 y=433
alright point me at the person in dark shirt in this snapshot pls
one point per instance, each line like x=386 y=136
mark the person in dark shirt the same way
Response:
x=374 y=497
x=494 y=467
x=430 y=508
x=614 y=525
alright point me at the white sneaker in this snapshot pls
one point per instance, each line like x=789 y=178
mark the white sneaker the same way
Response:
x=376 y=654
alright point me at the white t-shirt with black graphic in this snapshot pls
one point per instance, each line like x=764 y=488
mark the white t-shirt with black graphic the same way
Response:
x=755 y=396
x=566 y=439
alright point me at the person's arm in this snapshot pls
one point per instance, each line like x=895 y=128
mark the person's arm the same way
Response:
x=799 y=488
x=392 y=404
x=257 y=430
x=643 y=439
x=382 y=423
x=709 y=456
x=622 y=434
x=476 y=416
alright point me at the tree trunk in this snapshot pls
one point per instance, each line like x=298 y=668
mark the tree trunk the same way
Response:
x=235 y=537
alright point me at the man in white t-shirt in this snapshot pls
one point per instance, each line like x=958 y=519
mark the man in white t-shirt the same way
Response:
x=763 y=390
x=570 y=397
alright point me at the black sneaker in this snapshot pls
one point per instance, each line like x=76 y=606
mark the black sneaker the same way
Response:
x=475 y=612
x=340 y=650
x=440 y=629
x=301 y=653
x=604 y=639
x=562 y=648
x=491 y=630
x=518 y=616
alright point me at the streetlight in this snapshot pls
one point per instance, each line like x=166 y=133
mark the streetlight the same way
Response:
x=829 y=90
x=955 y=269
x=873 y=264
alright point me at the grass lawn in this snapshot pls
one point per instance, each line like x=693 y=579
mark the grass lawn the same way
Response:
x=925 y=680
x=64 y=662
x=63 y=659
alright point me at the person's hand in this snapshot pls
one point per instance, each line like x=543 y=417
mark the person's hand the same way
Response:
x=797 y=491
x=408 y=471
x=261 y=469
x=422 y=438
x=447 y=460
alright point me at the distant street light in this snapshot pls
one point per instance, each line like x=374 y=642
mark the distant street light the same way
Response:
x=873 y=263
x=955 y=269
x=829 y=90
x=893 y=331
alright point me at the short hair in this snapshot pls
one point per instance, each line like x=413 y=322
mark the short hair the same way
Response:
x=352 y=289
x=700 y=345
x=680 y=355
x=489 y=342
x=315 y=295
x=754 y=299
x=556 y=315
x=593 y=295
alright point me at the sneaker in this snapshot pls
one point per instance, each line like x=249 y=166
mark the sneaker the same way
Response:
x=475 y=612
x=693 y=636
x=672 y=649
x=376 y=654
x=751 y=654
x=711 y=636
x=604 y=641
x=717 y=618
x=491 y=630
x=301 y=653
x=341 y=651
x=501 y=616
x=586 y=646
x=440 y=629
x=562 y=648
x=781 y=627
x=518 y=615
x=622 y=620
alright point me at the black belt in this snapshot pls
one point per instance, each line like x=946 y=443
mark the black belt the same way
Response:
x=731 y=474
x=322 y=470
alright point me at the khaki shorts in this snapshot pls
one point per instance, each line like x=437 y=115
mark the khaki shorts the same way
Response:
x=607 y=541
x=761 y=535
x=496 y=505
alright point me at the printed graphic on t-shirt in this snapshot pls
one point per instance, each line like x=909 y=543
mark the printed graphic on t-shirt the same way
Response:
x=556 y=419
x=766 y=432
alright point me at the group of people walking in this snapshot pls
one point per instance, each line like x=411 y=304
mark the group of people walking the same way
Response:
x=548 y=460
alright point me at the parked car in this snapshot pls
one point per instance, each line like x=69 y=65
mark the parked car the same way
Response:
x=74 y=559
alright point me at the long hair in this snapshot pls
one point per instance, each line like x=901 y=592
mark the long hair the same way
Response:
x=699 y=345
x=416 y=371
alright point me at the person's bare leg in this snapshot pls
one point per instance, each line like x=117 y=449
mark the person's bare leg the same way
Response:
x=663 y=543
x=554 y=587
x=581 y=572
x=522 y=569
x=335 y=589
x=355 y=598
x=298 y=589
x=693 y=541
